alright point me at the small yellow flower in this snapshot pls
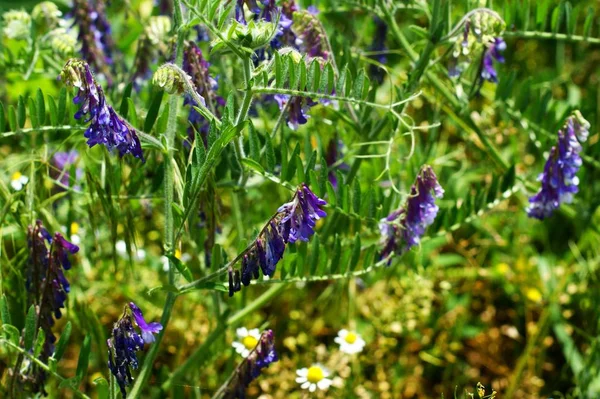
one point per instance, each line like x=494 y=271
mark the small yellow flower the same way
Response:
x=533 y=294
x=247 y=340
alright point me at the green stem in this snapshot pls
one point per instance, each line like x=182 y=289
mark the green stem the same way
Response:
x=552 y=36
x=45 y=367
x=444 y=91
x=200 y=354
x=169 y=217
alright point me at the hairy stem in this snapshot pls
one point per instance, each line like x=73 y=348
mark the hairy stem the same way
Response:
x=169 y=217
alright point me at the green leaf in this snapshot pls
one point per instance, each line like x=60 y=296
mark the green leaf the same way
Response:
x=41 y=107
x=124 y=108
x=183 y=269
x=331 y=196
x=30 y=322
x=323 y=177
x=39 y=342
x=587 y=27
x=314 y=76
x=166 y=288
x=53 y=111
x=252 y=164
x=33 y=113
x=359 y=82
x=4 y=311
x=84 y=358
x=340 y=87
x=356 y=196
x=102 y=388
x=2 y=118
x=355 y=253
x=254 y=143
x=334 y=265
x=62 y=342
x=300 y=170
x=270 y=154
x=153 y=111
x=294 y=77
x=21 y=114
x=12 y=118
x=310 y=165
x=278 y=70
x=292 y=164
x=303 y=75
x=132 y=114
x=62 y=104
x=284 y=161
x=12 y=333
x=314 y=255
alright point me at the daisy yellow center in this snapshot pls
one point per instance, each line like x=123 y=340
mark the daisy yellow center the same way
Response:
x=249 y=342
x=16 y=176
x=74 y=228
x=315 y=374
x=350 y=338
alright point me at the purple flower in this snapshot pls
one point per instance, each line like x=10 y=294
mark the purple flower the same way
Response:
x=148 y=330
x=403 y=228
x=62 y=162
x=294 y=221
x=559 y=180
x=195 y=65
x=239 y=9
x=259 y=358
x=378 y=45
x=297 y=108
x=47 y=286
x=94 y=35
x=125 y=341
x=311 y=37
x=106 y=127
x=493 y=52
x=300 y=215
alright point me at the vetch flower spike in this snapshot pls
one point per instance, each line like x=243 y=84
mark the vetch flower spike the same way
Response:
x=125 y=341
x=260 y=357
x=106 y=127
x=559 y=180
x=47 y=288
x=295 y=220
x=403 y=228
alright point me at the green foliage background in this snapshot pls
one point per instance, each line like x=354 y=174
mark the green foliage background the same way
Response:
x=490 y=296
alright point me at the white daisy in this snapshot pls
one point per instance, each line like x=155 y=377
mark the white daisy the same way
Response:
x=18 y=181
x=75 y=231
x=247 y=340
x=121 y=248
x=313 y=378
x=350 y=342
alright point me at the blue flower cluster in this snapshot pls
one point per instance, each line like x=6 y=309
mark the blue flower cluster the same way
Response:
x=261 y=356
x=125 y=341
x=559 y=180
x=47 y=285
x=294 y=221
x=403 y=228
x=493 y=52
x=106 y=127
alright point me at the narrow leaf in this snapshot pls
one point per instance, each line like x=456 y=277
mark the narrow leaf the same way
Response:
x=30 y=322
x=41 y=107
x=62 y=342
x=84 y=358
x=153 y=111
